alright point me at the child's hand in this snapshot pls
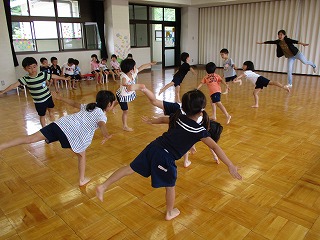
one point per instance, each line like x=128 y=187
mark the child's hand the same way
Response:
x=233 y=170
x=146 y=119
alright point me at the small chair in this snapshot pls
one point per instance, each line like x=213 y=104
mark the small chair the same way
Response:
x=24 y=88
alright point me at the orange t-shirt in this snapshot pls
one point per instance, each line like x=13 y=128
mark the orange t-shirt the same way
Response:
x=213 y=81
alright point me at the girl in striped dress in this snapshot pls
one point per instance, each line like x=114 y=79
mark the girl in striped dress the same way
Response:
x=74 y=131
x=126 y=93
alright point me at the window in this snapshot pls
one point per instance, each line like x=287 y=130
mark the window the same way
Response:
x=156 y=14
x=51 y=25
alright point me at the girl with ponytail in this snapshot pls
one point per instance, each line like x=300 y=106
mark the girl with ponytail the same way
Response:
x=158 y=158
x=74 y=131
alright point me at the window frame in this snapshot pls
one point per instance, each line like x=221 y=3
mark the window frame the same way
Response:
x=58 y=21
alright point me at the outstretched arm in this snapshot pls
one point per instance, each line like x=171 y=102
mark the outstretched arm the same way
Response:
x=106 y=136
x=66 y=100
x=233 y=170
x=144 y=66
x=303 y=44
x=193 y=71
x=200 y=85
x=12 y=86
x=238 y=79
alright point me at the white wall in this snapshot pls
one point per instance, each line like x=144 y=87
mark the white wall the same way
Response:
x=8 y=74
x=84 y=58
x=156 y=46
x=189 y=33
x=141 y=55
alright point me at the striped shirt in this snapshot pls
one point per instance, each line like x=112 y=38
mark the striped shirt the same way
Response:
x=179 y=139
x=37 y=86
x=123 y=93
x=79 y=127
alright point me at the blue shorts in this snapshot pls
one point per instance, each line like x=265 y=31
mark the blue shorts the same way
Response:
x=156 y=162
x=262 y=82
x=42 y=107
x=215 y=97
x=53 y=133
x=123 y=105
x=177 y=81
x=229 y=79
x=170 y=108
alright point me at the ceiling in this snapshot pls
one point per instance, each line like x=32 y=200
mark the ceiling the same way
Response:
x=194 y=3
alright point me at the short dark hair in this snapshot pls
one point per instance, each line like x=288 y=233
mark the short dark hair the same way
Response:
x=282 y=31
x=76 y=61
x=28 y=61
x=43 y=59
x=53 y=58
x=114 y=56
x=103 y=59
x=211 y=67
x=184 y=56
x=224 y=50
x=70 y=60
x=129 y=55
x=249 y=65
x=127 y=65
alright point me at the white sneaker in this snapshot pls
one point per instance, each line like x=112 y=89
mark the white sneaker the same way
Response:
x=289 y=85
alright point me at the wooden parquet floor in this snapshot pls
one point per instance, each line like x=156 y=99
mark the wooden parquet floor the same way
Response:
x=277 y=147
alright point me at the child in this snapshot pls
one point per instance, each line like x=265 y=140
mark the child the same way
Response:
x=37 y=86
x=258 y=80
x=68 y=70
x=213 y=81
x=115 y=65
x=55 y=69
x=158 y=158
x=170 y=108
x=130 y=56
x=126 y=93
x=44 y=67
x=95 y=68
x=66 y=130
x=179 y=76
x=229 y=68
x=105 y=70
x=286 y=48
x=77 y=73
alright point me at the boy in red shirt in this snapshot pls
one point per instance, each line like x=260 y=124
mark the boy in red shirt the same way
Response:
x=213 y=81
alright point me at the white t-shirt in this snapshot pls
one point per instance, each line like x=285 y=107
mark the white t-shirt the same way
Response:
x=251 y=76
x=79 y=127
x=68 y=69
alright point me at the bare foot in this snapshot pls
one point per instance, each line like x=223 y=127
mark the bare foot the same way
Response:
x=127 y=129
x=186 y=163
x=100 y=192
x=84 y=181
x=228 y=119
x=287 y=88
x=217 y=160
x=172 y=214
x=255 y=106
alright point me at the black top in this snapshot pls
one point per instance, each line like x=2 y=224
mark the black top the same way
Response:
x=289 y=42
x=183 y=70
x=56 y=70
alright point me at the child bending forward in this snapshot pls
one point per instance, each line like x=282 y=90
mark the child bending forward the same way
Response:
x=158 y=158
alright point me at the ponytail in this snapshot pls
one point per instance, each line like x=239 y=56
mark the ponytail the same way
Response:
x=103 y=99
x=205 y=120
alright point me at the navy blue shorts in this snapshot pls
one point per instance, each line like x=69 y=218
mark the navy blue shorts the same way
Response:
x=156 y=162
x=229 y=79
x=42 y=107
x=93 y=72
x=53 y=133
x=67 y=75
x=177 y=81
x=123 y=105
x=262 y=82
x=215 y=97
x=170 y=108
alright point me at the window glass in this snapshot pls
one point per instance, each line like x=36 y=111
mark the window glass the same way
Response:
x=72 y=35
x=169 y=14
x=46 y=35
x=19 y=8
x=41 y=8
x=140 y=12
x=142 y=35
x=131 y=16
x=68 y=8
x=132 y=35
x=22 y=37
x=156 y=13
x=92 y=36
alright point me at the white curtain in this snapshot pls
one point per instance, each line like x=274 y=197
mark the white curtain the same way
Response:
x=239 y=27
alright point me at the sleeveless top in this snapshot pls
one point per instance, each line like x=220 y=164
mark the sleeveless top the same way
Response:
x=123 y=93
